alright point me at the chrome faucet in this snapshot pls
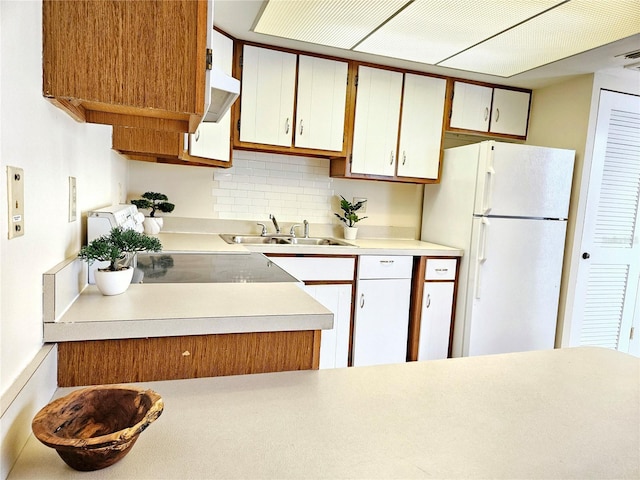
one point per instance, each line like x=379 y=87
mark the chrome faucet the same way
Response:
x=306 y=228
x=264 y=229
x=292 y=232
x=275 y=222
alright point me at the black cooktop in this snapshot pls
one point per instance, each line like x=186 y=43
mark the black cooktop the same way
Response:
x=208 y=268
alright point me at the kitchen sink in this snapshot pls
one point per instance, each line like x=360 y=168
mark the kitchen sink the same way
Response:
x=282 y=240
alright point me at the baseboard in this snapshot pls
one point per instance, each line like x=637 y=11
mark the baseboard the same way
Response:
x=33 y=389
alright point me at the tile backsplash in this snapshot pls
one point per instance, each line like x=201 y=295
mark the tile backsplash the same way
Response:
x=292 y=188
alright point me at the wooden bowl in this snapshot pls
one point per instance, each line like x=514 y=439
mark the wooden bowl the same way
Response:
x=94 y=427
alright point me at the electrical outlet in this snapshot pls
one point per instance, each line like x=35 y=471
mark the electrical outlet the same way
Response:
x=72 y=199
x=15 y=198
x=364 y=206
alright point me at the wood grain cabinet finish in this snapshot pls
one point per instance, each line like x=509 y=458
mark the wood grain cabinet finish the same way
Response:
x=171 y=358
x=128 y=63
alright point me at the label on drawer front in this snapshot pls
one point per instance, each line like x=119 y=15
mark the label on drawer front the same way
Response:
x=441 y=269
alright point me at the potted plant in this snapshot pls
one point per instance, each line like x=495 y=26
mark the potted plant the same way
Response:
x=349 y=217
x=118 y=248
x=154 y=201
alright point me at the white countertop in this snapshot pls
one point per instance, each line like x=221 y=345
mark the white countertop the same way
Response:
x=571 y=413
x=212 y=243
x=172 y=309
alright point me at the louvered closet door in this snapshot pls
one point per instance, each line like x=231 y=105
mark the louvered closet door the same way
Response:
x=609 y=270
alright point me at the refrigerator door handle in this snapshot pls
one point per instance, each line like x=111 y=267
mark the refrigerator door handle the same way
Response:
x=488 y=190
x=482 y=253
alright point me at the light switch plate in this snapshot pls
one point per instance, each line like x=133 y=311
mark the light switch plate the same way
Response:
x=363 y=209
x=72 y=199
x=15 y=201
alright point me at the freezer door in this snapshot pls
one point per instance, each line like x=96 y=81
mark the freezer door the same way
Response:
x=513 y=285
x=523 y=181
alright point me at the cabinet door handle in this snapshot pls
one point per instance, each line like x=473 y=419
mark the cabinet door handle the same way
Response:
x=404 y=157
x=362 y=300
x=497 y=114
x=197 y=135
x=286 y=126
x=301 y=127
x=428 y=304
x=486 y=113
x=391 y=160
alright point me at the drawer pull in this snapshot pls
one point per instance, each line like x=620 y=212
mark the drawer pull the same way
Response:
x=386 y=261
x=442 y=270
x=362 y=300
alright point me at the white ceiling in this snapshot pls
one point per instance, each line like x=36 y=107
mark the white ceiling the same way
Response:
x=238 y=18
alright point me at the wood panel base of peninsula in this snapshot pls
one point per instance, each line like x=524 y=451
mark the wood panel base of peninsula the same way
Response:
x=97 y=362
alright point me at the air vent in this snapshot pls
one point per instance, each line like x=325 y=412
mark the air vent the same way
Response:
x=630 y=55
x=633 y=66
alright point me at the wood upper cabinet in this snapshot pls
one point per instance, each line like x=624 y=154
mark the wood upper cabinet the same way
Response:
x=377 y=117
x=488 y=109
x=128 y=63
x=421 y=124
x=291 y=103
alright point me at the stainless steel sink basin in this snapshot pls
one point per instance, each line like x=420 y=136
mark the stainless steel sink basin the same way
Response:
x=281 y=240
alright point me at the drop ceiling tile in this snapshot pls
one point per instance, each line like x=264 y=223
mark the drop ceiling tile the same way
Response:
x=571 y=28
x=429 y=31
x=335 y=23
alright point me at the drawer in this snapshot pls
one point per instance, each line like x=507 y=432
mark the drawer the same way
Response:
x=317 y=268
x=385 y=266
x=440 y=269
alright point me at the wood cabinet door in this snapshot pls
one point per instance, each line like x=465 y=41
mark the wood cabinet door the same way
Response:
x=375 y=133
x=471 y=106
x=421 y=126
x=321 y=103
x=435 y=325
x=381 y=321
x=266 y=102
x=510 y=112
x=213 y=140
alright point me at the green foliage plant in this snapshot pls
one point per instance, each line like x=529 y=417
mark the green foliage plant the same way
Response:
x=349 y=216
x=118 y=247
x=154 y=201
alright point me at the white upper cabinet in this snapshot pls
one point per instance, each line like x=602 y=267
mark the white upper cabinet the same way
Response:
x=489 y=110
x=421 y=126
x=510 y=112
x=213 y=140
x=377 y=115
x=321 y=101
x=471 y=106
x=268 y=85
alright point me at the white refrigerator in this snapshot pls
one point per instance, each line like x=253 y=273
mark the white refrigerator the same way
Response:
x=506 y=205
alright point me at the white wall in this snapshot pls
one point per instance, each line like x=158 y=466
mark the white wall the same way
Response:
x=292 y=188
x=50 y=147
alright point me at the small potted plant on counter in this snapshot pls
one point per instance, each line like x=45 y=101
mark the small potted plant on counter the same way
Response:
x=118 y=248
x=349 y=217
x=155 y=202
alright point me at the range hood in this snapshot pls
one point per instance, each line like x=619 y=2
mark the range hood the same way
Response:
x=224 y=91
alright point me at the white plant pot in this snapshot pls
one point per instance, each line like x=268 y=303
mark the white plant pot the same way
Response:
x=350 y=233
x=113 y=283
x=153 y=225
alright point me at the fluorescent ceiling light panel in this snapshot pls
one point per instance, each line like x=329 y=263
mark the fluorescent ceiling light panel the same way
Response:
x=335 y=23
x=571 y=28
x=429 y=31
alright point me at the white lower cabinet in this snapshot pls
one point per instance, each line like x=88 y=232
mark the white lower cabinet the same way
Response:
x=381 y=320
x=437 y=308
x=329 y=280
